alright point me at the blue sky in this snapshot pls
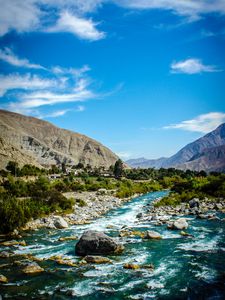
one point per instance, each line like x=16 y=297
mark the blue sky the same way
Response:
x=143 y=77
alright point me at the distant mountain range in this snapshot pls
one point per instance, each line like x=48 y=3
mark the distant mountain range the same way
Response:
x=29 y=140
x=207 y=153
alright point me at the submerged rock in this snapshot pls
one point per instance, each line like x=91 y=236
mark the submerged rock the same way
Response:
x=183 y=233
x=32 y=268
x=13 y=243
x=152 y=235
x=68 y=238
x=97 y=259
x=5 y=254
x=131 y=266
x=3 y=279
x=94 y=242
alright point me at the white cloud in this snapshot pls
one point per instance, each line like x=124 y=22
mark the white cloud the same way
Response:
x=192 y=66
x=191 y=8
x=75 y=72
x=24 y=82
x=22 y=16
x=33 y=15
x=124 y=155
x=203 y=123
x=83 y=28
x=8 y=56
x=54 y=114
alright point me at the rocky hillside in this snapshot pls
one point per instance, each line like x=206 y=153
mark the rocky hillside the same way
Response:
x=211 y=159
x=146 y=163
x=207 y=153
x=30 y=140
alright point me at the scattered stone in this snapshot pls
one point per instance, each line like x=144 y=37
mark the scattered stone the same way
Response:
x=5 y=254
x=66 y=262
x=59 y=222
x=194 y=203
x=180 y=224
x=13 y=243
x=201 y=216
x=149 y=266
x=140 y=215
x=97 y=259
x=32 y=268
x=94 y=242
x=131 y=266
x=183 y=233
x=67 y=238
x=3 y=279
x=152 y=235
x=131 y=233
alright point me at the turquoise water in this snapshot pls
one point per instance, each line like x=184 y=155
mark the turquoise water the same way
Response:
x=185 y=268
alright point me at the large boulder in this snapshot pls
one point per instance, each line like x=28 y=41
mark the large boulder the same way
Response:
x=59 y=222
x=180 y=224
x=95 y=243
x=194 y=203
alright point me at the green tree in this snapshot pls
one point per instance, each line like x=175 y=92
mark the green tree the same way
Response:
x=13 y=167
x=118 y=169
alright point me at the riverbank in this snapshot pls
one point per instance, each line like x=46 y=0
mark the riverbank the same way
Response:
x=201 y=209
x=89 y=206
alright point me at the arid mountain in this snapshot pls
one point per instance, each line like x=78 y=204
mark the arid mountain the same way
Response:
x=207 y=153
x=146 y=163
x=211 y=159
x=31 y=140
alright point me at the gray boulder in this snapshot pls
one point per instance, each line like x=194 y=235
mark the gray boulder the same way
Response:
x=152 y=235
x=180 y=224
x=194 y=203
x=59 y=222
x=95 y=243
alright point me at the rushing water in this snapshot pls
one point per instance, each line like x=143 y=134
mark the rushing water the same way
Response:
x=185 y=268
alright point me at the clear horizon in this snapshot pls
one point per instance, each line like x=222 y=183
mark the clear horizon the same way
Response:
x=142 y=78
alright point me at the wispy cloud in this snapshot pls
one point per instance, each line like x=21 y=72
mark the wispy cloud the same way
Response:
x=83 y=28
x=8 y=56
x=190 y=8
x=124 y=155
x=36 y=15
x=202 y=123
x=23 y=82
x=75 y=72
x=192 y=66
x=54 y=114
x=29 y=17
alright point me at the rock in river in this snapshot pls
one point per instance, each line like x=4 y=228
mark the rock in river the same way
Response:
x=152 y=235
x=94 y=243
x=97 y=259
x=3 y=279
x=180 y=224
x=32 y=268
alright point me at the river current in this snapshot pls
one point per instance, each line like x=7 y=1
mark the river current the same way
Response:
x=184 y=268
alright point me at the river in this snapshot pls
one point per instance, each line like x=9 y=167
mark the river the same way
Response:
x=185 y=268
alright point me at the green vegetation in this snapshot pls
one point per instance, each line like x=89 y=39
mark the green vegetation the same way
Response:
x=118 y=169
x=182 y=191
x=23 y=197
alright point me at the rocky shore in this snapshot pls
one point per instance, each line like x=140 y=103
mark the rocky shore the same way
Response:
x=89 y=206
x=202 y=209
